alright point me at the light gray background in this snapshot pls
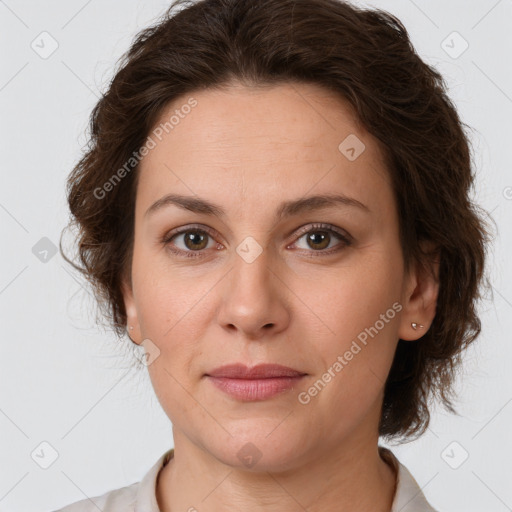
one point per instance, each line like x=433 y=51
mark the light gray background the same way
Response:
x=65 y=382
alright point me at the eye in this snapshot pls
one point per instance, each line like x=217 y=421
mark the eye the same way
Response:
x=192 y=242
x=321 y=238
x=189 y=241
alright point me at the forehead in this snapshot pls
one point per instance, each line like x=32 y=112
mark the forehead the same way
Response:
x=263 y=140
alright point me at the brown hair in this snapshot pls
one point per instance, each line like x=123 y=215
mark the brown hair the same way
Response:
x=364 y=56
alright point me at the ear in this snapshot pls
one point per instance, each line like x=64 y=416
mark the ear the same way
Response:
x=131 y=312
x=419 y=298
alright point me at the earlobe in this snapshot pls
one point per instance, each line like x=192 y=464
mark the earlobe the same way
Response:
x=420 y=299
x=132 y=328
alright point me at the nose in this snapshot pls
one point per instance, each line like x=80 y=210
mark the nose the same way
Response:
x=254 y=299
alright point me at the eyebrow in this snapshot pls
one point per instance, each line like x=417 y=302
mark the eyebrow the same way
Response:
x=286 y=209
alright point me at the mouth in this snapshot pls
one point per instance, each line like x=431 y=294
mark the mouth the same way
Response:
x=257 y=383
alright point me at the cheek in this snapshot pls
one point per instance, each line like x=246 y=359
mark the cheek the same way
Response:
x=355 y=360
x=171 y=316
x=343 y=301
x=167 y=298
x=359 y=310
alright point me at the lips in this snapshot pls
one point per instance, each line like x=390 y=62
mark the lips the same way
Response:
x=261 y=371
x=260 y=382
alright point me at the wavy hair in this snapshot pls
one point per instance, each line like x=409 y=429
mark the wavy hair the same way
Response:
x=364 y=56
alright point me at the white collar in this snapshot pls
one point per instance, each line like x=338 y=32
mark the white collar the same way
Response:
x=408 y=494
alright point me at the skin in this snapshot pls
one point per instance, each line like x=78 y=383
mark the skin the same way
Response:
x=247 y=150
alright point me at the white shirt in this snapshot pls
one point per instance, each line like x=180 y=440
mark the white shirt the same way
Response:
x=141 y=496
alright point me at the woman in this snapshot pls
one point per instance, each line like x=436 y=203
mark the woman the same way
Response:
x=275 y=204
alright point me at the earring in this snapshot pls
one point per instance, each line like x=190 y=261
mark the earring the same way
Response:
x=416 y=326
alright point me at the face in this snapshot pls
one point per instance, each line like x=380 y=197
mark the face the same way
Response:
x=243 y=265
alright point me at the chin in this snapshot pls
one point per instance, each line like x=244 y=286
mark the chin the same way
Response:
x=257 y=451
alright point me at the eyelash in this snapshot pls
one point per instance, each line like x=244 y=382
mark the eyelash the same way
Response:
x=310 y=228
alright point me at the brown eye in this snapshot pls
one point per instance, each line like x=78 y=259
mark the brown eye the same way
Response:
x=189 y=242
x=195 y=240
x=321 y=240
x=318 y=239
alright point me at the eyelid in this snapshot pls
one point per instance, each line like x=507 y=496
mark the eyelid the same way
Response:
x=189 y=227
x=317 y=226
x=346 y=238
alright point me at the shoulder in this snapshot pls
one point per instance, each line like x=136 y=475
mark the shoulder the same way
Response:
x=135 y=497
x=122 y=499
x=408 y=495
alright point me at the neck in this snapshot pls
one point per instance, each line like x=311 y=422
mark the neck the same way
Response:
x=353 y=477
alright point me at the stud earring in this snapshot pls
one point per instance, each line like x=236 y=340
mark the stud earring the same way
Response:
x=416 y=326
